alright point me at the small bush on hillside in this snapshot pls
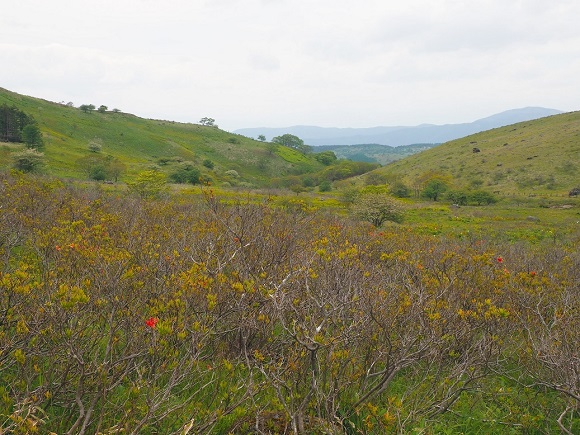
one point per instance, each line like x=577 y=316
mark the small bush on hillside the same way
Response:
x=325 y=186
x=29 y=160
x=400 y=190
x=186 y=173
x=374 y=179
x=482 y=197
x=458 y=197
x=95 y=147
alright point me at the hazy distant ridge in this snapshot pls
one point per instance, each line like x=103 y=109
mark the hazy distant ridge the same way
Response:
x=396 y=136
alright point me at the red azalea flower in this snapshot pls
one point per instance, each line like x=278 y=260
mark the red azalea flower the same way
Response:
x=532 y=273
x=499 y=259
x=151 y=322
x=57 y=248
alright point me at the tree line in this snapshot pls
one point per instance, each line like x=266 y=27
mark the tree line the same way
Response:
x=18 y=126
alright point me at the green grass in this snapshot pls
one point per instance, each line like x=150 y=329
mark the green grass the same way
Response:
x=142 y=143
x=533 y=158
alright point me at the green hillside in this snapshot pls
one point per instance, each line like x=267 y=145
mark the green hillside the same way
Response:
x=540 y=157
x=382 y=154
x=140 y=144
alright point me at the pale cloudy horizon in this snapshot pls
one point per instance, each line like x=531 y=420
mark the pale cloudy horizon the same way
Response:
x=277 y=63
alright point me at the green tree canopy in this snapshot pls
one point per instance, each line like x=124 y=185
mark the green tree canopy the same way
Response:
x=291 y=141
x=482 y=197
x=377 y=208
x=326 y=157
x=186 y=172
x=207 y=121
x=99 y=167
x=148 y=184
x=87 y=107
x=32 y=136
x=12 y=122
x=434 y=189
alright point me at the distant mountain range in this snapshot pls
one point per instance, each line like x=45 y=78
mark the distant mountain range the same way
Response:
x=397 y=136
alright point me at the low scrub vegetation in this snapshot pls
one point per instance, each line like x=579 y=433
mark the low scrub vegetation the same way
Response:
x=134 y=313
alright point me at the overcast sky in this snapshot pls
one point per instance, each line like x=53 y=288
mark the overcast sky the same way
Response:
x=276 y=63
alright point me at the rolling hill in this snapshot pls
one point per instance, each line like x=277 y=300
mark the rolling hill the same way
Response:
x=140 y=144
x=540 y=157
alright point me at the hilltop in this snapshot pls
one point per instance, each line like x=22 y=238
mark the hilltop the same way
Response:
x=533 y=157
x=140 y=144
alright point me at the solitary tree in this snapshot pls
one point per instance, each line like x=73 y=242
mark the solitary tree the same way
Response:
x=32 y=136
x=262 y=138
x=291 y=141
x=102 y=109
x=434 y=189
x=207 y=121
x=148 y=184
x=377 y=208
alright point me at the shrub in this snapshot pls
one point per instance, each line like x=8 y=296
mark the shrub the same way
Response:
x=400 y=190
x=434 y=189
x=148 y=184
x=378 y=208
x=482 y=197
x=95 y=147
x=375 y=179
x=457 y=197
x=186 y=173
x=29 y=160
x=325 y=186
x=325 y=157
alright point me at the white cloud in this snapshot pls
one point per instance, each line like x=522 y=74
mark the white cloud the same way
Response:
x=282 y=62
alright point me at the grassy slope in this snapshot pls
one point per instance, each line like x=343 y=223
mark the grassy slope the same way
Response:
x=140 y=143
x=540 y=157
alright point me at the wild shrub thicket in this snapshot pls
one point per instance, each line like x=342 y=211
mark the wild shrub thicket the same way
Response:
x=134 y=315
